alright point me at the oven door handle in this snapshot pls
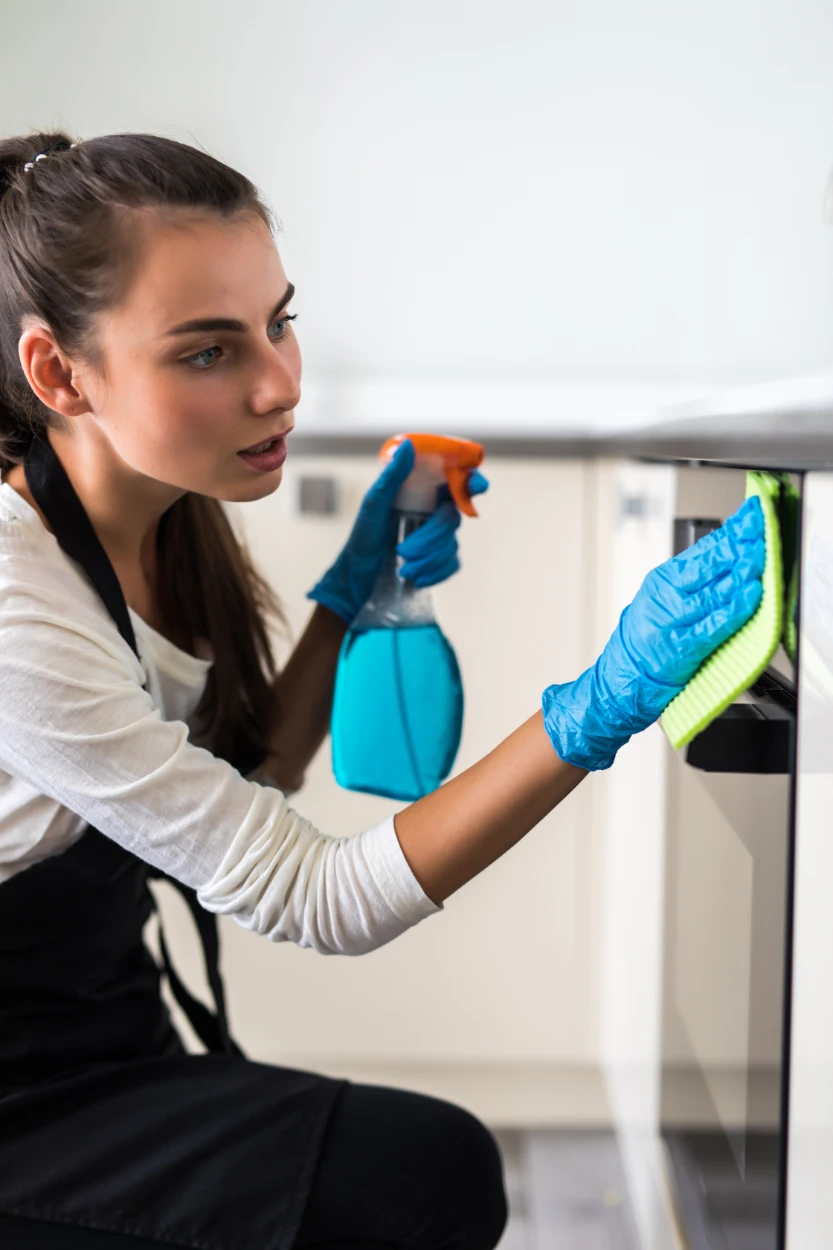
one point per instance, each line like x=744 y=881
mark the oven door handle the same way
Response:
x=757 y=736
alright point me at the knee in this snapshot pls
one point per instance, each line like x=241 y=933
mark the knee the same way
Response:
x=405 y=1169
x=477 y=1214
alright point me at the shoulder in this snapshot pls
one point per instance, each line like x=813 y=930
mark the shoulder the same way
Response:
x=45 y=597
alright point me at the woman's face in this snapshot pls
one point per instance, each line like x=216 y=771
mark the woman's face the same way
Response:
x=199 y=362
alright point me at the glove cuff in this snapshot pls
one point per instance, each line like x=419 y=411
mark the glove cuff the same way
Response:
x=329 y=597
x=577 y=725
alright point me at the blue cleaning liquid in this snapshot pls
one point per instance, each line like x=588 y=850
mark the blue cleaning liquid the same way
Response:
x=397 y=711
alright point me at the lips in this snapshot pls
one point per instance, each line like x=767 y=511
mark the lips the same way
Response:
x=267 y=455
x=256 y=450
x=264 y=443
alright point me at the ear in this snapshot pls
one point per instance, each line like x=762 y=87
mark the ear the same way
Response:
x=50 y=372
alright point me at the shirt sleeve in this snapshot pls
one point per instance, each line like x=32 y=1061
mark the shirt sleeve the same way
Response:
x=76 y=724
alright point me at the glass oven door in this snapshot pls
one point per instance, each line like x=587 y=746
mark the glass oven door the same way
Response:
x=722 y=1106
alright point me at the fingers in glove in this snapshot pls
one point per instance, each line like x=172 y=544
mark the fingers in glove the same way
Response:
x=750 y=562
x=370 y=531
x=424 y=580
x=742 y=535
x=433 y=568
x=435 y=533
x=476 y=485
x=725 y=620
x=387 y=485
x=687 y=608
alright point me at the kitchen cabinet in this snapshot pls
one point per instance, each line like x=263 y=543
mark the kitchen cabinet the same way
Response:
x=493 y=1001
x=632 y=526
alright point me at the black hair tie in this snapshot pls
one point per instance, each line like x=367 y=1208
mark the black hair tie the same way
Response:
x=63 y=145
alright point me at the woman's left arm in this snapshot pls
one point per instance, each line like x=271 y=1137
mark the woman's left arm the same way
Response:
x=304 y=696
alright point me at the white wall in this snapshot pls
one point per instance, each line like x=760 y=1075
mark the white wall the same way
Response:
x=476 y=189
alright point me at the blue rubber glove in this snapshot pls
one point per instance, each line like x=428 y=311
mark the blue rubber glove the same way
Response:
x=429 y=554
x=682 y=612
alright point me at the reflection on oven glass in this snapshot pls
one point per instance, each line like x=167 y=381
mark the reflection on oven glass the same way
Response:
x=723 y=1002
x=713 y=954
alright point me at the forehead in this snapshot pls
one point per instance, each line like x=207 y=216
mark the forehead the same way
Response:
x=193 y=266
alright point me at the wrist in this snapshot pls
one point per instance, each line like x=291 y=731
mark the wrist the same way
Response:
x=329 y=625
x=579 y=725
x=348 y=584
x=589 y=719
x=331 y=593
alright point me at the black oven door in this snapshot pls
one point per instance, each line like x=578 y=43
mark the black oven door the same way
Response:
x=724 y=1003
x=725 y=992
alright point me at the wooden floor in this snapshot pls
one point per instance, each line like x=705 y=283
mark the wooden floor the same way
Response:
x=566 y=1192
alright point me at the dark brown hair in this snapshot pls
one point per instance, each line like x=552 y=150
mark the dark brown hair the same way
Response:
x=65 y=256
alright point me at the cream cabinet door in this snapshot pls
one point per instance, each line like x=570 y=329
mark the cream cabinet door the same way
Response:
x=507 y=972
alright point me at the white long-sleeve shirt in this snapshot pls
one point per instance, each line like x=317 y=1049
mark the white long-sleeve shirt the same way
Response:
x=82 y=743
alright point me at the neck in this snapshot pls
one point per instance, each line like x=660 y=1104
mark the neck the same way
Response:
x=124 y=506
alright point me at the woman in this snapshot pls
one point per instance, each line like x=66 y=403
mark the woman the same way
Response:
x=148 y=371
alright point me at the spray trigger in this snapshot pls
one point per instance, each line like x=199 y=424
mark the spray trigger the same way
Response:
x=438 y=458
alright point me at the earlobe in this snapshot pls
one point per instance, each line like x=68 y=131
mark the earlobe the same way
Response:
x=49 y=372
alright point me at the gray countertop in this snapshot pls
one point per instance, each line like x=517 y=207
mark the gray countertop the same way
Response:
x=784 y=425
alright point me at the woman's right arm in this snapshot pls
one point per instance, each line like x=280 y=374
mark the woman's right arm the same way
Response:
x=453 y=834
x=77 y=727
x=683 y=611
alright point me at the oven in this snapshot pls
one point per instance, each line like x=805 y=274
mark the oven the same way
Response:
x=726 y=939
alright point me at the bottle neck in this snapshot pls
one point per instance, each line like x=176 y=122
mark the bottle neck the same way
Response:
x=407 y=522
x=394 y=603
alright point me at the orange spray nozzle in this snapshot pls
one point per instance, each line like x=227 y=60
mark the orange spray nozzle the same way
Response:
x=455 y=458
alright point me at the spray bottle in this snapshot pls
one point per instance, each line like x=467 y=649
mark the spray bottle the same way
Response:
x=398 y=703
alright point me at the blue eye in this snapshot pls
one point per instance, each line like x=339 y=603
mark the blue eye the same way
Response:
x=207 y=358
x=283 y=323
x=204 y=359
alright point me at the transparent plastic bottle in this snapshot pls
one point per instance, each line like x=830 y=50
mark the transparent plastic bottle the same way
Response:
x=398 y=704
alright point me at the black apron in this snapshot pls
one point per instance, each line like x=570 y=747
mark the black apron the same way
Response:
x=106 y=1121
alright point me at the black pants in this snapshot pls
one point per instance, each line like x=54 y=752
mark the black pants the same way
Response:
x=398 y=1171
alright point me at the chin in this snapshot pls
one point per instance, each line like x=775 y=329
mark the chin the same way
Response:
x=257 y=488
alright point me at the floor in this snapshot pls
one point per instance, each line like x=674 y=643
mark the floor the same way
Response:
x=566 y=1192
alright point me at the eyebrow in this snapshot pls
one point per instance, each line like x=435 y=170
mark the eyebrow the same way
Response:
x=202 y=324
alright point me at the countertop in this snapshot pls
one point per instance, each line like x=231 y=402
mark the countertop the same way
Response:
x=783 y=425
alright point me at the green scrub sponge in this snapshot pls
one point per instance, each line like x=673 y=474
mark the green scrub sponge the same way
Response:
x=739 y=661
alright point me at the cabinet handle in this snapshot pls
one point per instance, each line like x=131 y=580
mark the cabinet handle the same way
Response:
x=633 y=505
x=318 y=496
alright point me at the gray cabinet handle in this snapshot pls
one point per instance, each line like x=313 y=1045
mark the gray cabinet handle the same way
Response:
x=318 y=496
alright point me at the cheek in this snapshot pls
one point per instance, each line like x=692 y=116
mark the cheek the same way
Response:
x=170 y=412
x=196 y=412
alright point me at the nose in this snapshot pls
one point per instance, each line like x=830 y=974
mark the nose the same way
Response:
x=276 y=381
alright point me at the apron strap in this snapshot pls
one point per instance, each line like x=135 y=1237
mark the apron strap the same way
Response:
x=55 y=496
x=57 y=499
x=210 y=1027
